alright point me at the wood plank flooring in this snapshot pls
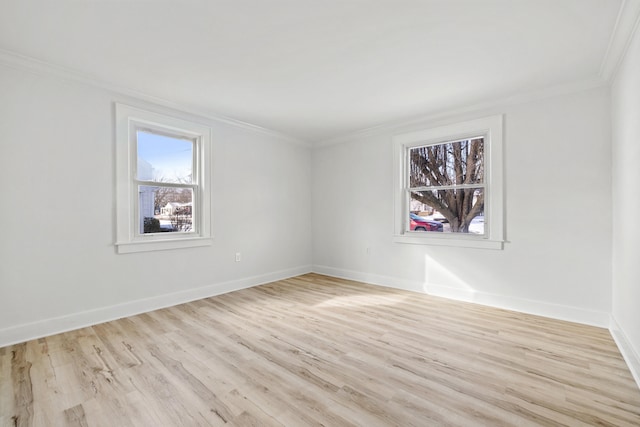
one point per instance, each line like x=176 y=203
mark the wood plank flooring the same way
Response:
x=319 y=351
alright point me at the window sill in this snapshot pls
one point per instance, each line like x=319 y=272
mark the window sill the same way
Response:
x=454 y=241
x=162 y=245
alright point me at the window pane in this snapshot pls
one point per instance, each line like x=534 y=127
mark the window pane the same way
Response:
x=458 y=211
x=451 y=163
x=165 y=209
x=164 y=159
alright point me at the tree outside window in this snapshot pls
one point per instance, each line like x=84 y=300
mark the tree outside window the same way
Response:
x=448 y=185
x=447 y=182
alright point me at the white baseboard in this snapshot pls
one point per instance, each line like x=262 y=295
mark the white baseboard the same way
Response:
x=554 y=311
x=46 y=327
x=523 y=305
x=626 y=349
x=374 y=279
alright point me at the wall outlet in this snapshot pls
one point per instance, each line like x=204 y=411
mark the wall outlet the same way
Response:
x=238 y=257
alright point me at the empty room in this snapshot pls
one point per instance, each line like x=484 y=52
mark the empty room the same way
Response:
x=320 y=213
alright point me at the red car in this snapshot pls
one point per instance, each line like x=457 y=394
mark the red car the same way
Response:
x=418 y=223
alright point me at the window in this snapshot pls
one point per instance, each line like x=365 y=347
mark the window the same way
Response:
x=448 y=188
x=163 y=170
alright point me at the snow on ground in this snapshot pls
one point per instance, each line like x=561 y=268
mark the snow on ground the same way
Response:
x=476 y=226
x=166 y=223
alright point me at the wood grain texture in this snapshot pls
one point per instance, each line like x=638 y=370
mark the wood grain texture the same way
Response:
x=320 y=351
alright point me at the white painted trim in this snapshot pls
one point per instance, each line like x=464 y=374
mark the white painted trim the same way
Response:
x=485 y=108
x=162 y=245
x=626 y=25
x=374 y=279
x=42 y=328
x=25 y=63
x=128 y=120
x=443 y=239
x=630 y=356
x=538 y=308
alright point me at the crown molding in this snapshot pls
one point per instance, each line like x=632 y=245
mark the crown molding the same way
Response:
x=25 y=63
x=475 y=109
x=625 y=27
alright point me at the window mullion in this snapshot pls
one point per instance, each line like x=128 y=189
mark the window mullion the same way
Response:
x=165 y=184
x=447 y=187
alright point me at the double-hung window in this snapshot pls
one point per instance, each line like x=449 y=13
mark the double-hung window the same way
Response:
x=449 y=188
x=163 y=174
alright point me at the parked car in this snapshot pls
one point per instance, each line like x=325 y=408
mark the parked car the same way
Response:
x=418 y=223
x=437 y=216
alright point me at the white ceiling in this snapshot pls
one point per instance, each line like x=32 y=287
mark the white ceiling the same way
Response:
x=315 y=69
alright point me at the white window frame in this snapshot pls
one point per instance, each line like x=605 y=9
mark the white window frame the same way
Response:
x=491 y=129
x=130 y=120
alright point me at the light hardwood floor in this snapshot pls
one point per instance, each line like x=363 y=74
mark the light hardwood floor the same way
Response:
x=320 y=351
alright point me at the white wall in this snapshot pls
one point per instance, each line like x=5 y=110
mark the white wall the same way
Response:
x=59 y=269
x=58 y=265
x=625 y=105
x=557 y=261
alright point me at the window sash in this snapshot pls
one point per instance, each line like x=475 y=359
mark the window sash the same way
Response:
x=443 y=166
x=409 y=190
x=195 y=217
x=193 y=185
x=407 y=206
x=195 y=156
x=195 y=145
